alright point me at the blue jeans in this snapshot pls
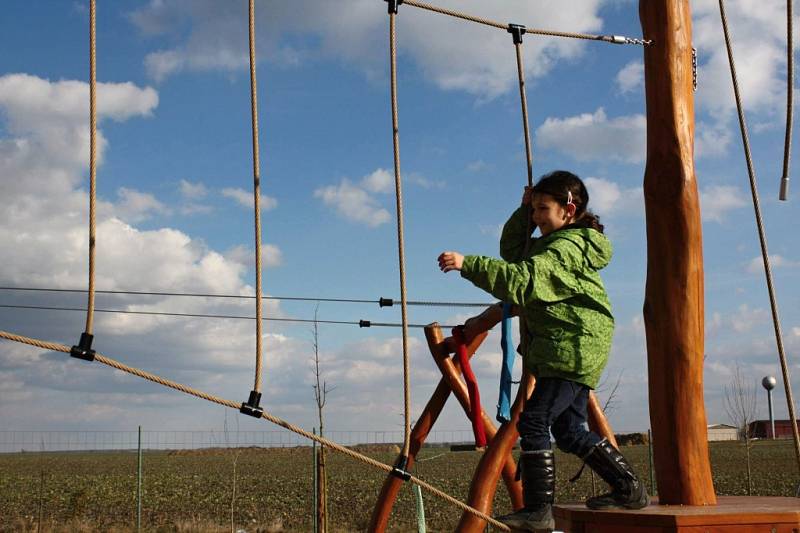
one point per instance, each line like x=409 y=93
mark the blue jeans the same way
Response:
x=558 y=405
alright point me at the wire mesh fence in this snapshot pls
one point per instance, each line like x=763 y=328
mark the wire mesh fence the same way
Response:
x=102 y=440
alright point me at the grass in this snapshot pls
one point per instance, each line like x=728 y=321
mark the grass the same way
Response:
x=191 y=491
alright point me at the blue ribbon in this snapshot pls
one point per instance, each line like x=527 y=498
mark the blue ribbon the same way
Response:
x=504 y=402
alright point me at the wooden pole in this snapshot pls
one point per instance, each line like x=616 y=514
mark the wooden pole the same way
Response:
x=673 y=306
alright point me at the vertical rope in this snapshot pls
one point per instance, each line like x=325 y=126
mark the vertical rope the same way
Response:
x=523 y=328
x=787 y=145
x=762 y=237
x=256 y=188
x=524 y=100
x=400 y=243
x=92 y=161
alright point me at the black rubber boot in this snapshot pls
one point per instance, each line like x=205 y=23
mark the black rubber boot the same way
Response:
x=538 y=470
x=627 y=491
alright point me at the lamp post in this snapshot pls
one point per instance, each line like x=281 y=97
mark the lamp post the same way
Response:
x=769 y=383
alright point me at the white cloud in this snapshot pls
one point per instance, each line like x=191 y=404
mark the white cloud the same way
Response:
x=609 y=199
x=756 y=265
x=245 y=198
x=469 y=62
x=271 y=255
x=379 y=181
x=717 y=200
x=135 y=206
x=630 y=77
x=758 y=31
x=593 y=137
x=192 y=191
x=353 y=203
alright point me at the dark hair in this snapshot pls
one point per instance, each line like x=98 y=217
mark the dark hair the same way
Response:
x=559 y=184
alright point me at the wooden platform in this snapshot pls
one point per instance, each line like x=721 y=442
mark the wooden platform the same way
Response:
x=733 y=514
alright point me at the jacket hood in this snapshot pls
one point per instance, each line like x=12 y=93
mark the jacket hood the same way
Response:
x=595 y=246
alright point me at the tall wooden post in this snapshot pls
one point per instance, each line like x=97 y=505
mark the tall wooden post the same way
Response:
x=673 y=306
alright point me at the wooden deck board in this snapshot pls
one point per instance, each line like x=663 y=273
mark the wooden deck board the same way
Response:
x=732 y=514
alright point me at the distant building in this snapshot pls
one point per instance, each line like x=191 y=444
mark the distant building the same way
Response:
x=717 y=432
x=762 y=429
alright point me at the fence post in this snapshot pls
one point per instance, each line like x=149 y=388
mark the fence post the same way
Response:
x=420 y=509
x=650 y=460
x=316 y=481
x=139 y=484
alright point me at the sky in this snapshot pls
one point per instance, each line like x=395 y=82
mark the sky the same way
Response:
x=175 y=178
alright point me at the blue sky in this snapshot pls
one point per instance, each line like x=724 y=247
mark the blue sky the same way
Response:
x=175 y=182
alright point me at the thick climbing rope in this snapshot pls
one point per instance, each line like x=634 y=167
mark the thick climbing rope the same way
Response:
x=256 y=189
x=265 y=415
x=400 y=242
x=761 y=235
x=616 y=39
x=92 y=161
x=787 y=143
x=382 y=302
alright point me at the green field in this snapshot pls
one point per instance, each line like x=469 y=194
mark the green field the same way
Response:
x=192 y=491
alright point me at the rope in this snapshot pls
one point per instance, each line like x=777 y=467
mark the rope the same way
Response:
x=761 y=235
x=400 y=243
x=360 y=323
x=265 y=415
x=248 y=297
x=787 y=144
x=616 y=39
x=256 y=189
x=92 y=161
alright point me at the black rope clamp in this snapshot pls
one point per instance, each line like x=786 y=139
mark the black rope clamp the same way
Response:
x=399 y=470
x=364 y=323
x=393 y=5
x=517 y=31
x=251 y=407
x=385 y=302
x=83 y=350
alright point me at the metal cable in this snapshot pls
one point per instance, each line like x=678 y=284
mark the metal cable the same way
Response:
x=92 y=161
x=248 y=297
x=616 y=39
x=787 y=144
x=400 y=242
x=265 y=415
x=361 y=323
x=761 y=235
x=256 y=189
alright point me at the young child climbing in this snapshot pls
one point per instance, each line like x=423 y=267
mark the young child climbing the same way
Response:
x=557 y=289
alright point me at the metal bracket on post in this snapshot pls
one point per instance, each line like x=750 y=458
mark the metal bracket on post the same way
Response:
x=83 y=350
x=393 y=6
x=399 y=470
x=517 y=31
x=251 y=406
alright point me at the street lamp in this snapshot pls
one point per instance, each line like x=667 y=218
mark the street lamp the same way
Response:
x=769 y=383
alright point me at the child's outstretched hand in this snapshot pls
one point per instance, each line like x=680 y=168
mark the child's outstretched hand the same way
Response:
x=450 y=261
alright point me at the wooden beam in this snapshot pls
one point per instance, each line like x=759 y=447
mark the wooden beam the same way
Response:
x=674 y=304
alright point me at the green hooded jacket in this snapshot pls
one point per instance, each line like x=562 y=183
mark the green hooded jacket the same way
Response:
x=559 y=290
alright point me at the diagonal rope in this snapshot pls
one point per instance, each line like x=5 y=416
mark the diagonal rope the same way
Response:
x=400 y=242
x=265 y=415
x=761 y=236
x=92 y=161
x=616 y=39
x=787 y=143
x=256 y=189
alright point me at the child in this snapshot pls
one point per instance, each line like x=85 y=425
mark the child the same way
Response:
x=560 y=295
